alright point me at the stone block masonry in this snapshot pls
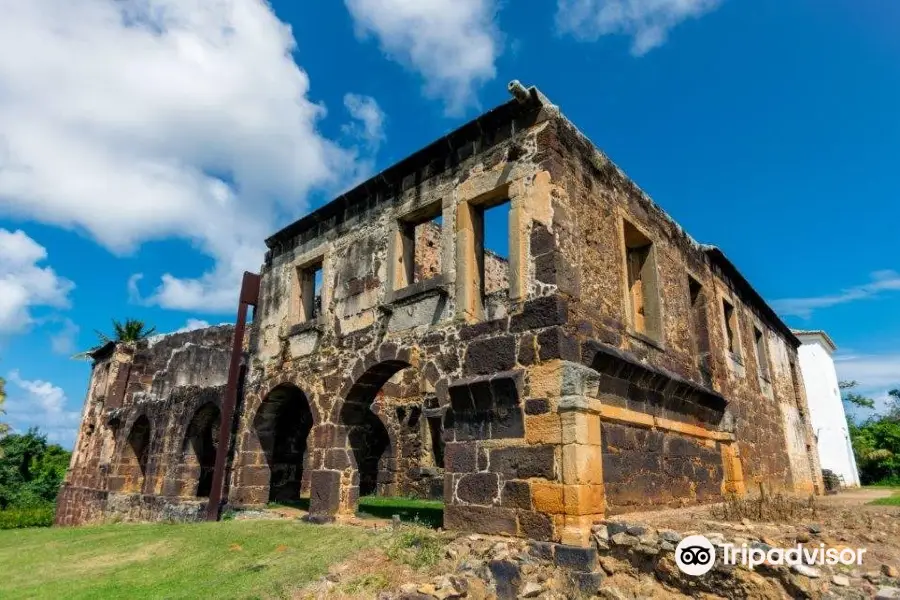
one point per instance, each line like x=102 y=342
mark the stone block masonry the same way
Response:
x=609 y=363
x=146 y=444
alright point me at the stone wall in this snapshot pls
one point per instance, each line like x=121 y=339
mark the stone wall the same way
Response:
x=148 y=430
x=593 y=370
x=583 y=256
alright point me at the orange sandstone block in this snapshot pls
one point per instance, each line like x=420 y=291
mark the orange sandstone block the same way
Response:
x=580 y=428
x=582 y=464
x=547 y=498
x=543 y=429
x=584 y=499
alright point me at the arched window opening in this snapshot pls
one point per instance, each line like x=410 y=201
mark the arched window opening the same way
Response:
x=135 y=456
x=200 y=445
x=283 y=425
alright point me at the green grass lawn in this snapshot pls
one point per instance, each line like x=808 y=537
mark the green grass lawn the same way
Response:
x=892 y=500
x=231 y=559
x=426 y=512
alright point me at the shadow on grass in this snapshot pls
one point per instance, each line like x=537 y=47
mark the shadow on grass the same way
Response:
x=429 y=513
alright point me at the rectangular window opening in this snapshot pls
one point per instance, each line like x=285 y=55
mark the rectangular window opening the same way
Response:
x=308 y=302
x=643 y=290
x=731 y=328
x=494 y=258
x=762 y=357
x=795 y=380
x=700 y=327
x=420 y=238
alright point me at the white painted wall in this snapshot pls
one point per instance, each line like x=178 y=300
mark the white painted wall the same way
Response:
x=829 y=421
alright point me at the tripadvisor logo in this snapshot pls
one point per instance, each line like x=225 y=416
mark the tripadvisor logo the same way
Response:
x=696 y=555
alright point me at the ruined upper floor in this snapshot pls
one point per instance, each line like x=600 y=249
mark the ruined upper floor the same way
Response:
x=409 y=251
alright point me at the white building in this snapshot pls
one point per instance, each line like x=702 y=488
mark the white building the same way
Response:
x=829 y=422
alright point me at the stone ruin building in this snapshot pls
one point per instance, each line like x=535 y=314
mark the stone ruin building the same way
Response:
x=608 y=363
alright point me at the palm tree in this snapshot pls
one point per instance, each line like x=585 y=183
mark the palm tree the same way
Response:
x=132 y=330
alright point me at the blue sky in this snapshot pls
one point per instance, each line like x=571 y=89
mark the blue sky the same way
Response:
x=144 y=159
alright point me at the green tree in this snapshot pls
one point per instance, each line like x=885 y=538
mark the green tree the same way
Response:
x=4 y=428
x=854 y=398
x=876 y=440
x=894 y=405
x=31 y=470
x=132 y=330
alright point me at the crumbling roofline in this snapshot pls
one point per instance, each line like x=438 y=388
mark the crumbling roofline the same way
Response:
x=392 y=178
x=717 y=257
x=102 y=352
x=599 y=160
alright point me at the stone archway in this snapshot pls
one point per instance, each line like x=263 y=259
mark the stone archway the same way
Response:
x=282 y=426
x=131 y=469
x=199 y=451
x=380 y=441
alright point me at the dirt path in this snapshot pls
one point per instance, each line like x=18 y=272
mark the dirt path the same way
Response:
x=857 y=496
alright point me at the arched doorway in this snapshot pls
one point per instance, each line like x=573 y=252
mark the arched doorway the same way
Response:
x=199 y=451
x=370 y=403
x=135 y=455
x=282 y=425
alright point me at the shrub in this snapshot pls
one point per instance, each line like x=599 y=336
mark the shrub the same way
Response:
x=33 y=516
x=893 y=481
x=417 y=547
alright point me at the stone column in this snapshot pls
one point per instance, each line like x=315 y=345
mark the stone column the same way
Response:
x=331 y=484
x=563 y=413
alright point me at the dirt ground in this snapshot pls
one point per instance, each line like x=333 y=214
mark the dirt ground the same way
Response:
x=844 y=520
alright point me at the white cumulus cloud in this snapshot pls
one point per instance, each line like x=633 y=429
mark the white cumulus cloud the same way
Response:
x=37 y=403
x=134 y=120
x=64 y=340
x=875 y=374
x=24 y=283
x=369 y=119
x=882 y=282
x=192 y=325
x=453 y=44
x=648 y=22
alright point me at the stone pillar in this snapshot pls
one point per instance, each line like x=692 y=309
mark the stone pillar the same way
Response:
x=565 y=414
x=525 y=461
x=734 y=471
x=332 y=490
x=582 y=468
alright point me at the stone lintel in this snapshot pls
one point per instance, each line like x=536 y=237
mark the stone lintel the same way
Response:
x=582 y=404
x=619 y=366
x=639 y=419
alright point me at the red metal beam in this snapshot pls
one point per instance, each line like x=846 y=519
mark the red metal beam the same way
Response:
x=249 y=297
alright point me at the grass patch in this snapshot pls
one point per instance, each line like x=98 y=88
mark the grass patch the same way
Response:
x=369 y=584
x=893 y=500
x=429 y=513
x=35 y=516
x=233 y=559
x=299 y=503
x=417 y=547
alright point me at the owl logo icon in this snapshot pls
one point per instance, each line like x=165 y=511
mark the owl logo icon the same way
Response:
x=695 y=555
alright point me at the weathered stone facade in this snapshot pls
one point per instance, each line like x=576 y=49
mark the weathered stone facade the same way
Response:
x=147 y=441
x=610 y=363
